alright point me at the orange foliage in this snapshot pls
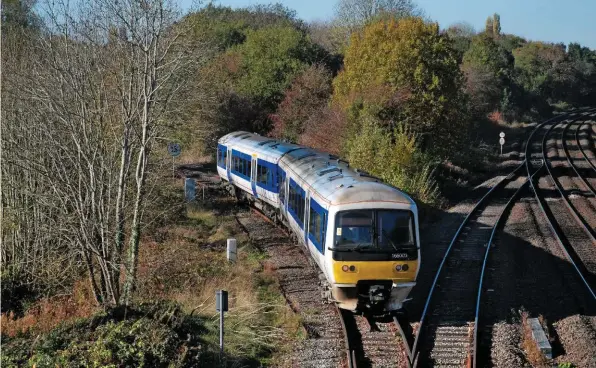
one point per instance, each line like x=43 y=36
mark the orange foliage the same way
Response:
x=325 y=131
x=495 y=116
x=48 y=313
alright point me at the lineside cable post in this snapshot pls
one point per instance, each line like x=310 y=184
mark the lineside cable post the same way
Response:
x=221 y=305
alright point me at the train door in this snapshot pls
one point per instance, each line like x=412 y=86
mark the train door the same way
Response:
x=282 y=189
x=306 y=216
x=253 y=175
x=229 y=164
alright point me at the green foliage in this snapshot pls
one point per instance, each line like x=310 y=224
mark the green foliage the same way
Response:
x=461 y=34
x=496 y=25
x=535 y=62
x=485 y=53
x=270 y=59
x=488 y=69
x=488 y=26
x=392 y=156
x=409 y=73
x=225 y=27
x=153 y=335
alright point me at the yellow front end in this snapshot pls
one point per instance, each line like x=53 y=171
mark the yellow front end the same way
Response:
x=354 y=279
x=352 y=272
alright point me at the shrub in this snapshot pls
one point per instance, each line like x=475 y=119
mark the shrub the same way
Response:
x=394 y=157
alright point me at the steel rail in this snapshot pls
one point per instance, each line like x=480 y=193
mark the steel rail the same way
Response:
x=485 y=261
x=581 y=148
x=542 y=206
x=566 y=149
x=481 y=202
x=572 y=210
x=404 y=339
x=350 y=352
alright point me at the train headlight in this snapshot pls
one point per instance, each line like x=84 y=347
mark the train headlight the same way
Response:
x=404 y=267
x=352 y=268
x=345 y=268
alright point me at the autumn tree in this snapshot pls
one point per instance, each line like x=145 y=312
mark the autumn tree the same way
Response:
x=488 y=26
x=408 y=72
x=306 y=97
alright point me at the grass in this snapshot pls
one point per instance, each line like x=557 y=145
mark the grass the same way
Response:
x=182 y=263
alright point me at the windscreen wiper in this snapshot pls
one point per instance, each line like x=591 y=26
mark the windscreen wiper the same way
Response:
x=389 y=238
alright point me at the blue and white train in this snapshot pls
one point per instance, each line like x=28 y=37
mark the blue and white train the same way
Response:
x=361 y=233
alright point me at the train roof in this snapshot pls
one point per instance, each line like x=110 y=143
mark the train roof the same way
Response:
x=330 y=178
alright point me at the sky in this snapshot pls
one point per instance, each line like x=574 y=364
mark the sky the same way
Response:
x=538 y=20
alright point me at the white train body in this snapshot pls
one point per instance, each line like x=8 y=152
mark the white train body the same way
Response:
x=362 y=234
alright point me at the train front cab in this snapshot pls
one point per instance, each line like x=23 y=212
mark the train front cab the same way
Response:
x=374 y=258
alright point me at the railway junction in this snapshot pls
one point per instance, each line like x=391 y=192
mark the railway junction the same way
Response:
x=523 y=251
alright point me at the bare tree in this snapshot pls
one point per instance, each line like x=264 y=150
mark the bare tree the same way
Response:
x=96 y=91
x=352 y=14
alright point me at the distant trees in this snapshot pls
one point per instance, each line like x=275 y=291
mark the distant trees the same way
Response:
x=488 y=70
x=269 y=59
x=353 y=14
x=493 y=26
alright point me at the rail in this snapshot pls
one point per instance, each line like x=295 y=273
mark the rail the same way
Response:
x=350 y=351
x=542 y=206
x=582 y=149
x=568 y=204
x=485 y=261
x=570 y=162
x=478 y=205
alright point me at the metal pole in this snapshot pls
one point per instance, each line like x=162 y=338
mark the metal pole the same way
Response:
x=501 y=150
x=221 y=334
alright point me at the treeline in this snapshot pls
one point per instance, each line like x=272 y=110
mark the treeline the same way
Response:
x=91 y=93
x=379 y=84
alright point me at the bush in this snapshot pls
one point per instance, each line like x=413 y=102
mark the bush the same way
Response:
x=394 y=157
x=151 y=335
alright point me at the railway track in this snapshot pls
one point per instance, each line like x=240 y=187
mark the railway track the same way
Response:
x=585 y=149
x=573 y=235
x=371 y=342
x=448 y=332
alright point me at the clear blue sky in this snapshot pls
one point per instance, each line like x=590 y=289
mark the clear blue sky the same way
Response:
x=540 y=20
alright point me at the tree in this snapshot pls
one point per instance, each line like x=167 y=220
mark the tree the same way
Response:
x=488 y=69
x=496 y=31
x=224 y=27
x=305 y=98
x=353 y=14
x=99 y=99
x=408 y=72
x=461 y=34
x=535 y=62
x=270 y=58
x=489 y=26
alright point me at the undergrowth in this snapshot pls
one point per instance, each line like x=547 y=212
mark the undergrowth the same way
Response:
x=173 y=322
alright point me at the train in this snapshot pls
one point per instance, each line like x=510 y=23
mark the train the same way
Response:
x=361 y=233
